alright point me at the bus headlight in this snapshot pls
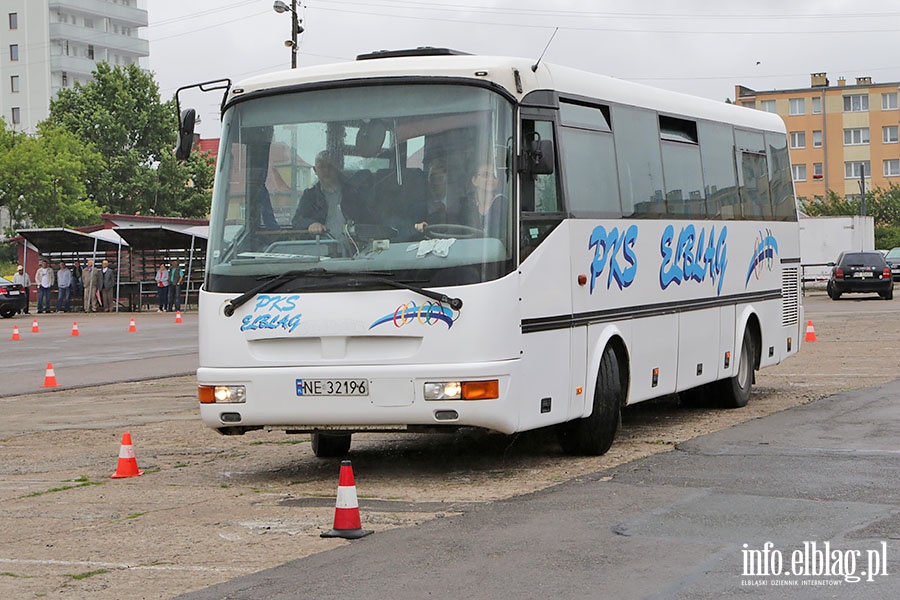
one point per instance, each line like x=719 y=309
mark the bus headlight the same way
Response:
x=462 y=390
x=224 y=394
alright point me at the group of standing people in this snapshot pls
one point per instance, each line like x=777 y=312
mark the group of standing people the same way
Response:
x=168 y=286
x=97 y=285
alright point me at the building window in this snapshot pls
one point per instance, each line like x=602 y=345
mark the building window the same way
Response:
x=16 y=115
x=817 y=105
x=799 y=172
x=14 y=84
x=852 y=168
x=856 y=137
x=13 y=52
x=65 y=79
x=798 y=139
x=856 y=103
x=767 y=105
x=817 y=170
x=889 y=101
x=88 y=23
x=889 y=134
x=817 y=138
x=13 y=20
x=798 y=106
x=892 y=167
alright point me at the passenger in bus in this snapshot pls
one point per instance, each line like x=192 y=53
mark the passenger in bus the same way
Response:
x=331 y=202
x=485 y=206
x=435 y=209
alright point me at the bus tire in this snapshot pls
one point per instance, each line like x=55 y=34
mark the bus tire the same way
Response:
x=594 y=434
x=330 y=445
x=734 y=392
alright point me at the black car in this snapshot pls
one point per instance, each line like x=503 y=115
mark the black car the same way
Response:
x=860 y=272
x=12 y=298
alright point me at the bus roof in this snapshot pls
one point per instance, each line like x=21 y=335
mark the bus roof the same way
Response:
x=501 y=71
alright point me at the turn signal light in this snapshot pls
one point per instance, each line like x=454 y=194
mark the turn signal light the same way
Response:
x=480 y=390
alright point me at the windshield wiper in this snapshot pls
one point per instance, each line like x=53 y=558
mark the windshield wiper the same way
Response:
x=373 y=276
x=376 y=277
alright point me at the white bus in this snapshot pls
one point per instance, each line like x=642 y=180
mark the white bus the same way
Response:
x=426 y=240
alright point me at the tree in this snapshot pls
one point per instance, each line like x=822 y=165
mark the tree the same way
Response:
x=121 y=114
x=42 y=178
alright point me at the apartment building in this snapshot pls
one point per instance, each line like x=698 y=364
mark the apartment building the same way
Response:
x=836 y=132
x=48 y=45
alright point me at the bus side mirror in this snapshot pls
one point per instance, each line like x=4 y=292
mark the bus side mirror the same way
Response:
x=185 y=133
x=539 y=158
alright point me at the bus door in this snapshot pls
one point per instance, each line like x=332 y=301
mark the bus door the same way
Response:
x=553 y=351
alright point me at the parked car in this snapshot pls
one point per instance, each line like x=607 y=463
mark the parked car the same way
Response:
x=12 y=298
x=860 y=272
x=893 y=260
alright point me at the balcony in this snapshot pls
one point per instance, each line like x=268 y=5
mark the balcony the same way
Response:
x=126 y=15
x=73 y=65
x=121 y=43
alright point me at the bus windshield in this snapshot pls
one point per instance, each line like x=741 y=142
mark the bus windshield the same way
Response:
x=410 y=182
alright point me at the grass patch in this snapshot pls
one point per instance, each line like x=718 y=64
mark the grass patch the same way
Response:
x=135 y=515
x=76 y=483
x=80 y=576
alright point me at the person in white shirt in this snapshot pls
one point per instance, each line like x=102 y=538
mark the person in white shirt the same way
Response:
x=21 y=277
x=45 y=278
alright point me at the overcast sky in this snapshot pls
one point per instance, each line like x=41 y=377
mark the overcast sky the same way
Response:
x=701 y=47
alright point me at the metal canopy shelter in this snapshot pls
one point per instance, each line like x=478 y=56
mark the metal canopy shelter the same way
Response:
x=167 y=238
x=59 y=240
x=66 y=240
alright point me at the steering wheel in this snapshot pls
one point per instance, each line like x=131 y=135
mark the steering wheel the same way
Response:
x=451 y=230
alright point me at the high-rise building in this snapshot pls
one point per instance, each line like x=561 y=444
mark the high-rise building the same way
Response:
x=836 y=132
x=48 y=45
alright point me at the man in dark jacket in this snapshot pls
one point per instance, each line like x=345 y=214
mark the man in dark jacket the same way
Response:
x=107 y=285
x=331 y=202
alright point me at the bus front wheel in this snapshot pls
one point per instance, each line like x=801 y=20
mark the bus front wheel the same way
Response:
x=594 y=434
x=330 y=445
x=734 y=392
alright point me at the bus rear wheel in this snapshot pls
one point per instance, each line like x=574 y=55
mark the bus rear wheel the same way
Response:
x=594 y=434
x=734 y=392
x=330 y=445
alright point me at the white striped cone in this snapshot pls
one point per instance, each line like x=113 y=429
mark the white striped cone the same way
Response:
x=346 y=509
x=127 y=466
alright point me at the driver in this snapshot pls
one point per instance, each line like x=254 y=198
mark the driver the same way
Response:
x=331 y=202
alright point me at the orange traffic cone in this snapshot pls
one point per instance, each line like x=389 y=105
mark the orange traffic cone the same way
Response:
x=75 y=329
x=34 y=327
x=15 y=335
x=178 y=316
x=346 y=509
x=50 y=377
x=127 y=466
x=810 y=332
x=131 y=326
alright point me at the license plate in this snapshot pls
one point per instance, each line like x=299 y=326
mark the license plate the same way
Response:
x=13 y=292
x=332 y=387
x=863 y=274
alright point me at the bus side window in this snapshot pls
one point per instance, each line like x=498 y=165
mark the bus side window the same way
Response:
x=753 y=175
x=783 y=203
x=640 y=166
x=717 y=155
x=539 y=194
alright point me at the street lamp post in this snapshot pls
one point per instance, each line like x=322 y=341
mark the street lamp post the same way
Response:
x=296 y=29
